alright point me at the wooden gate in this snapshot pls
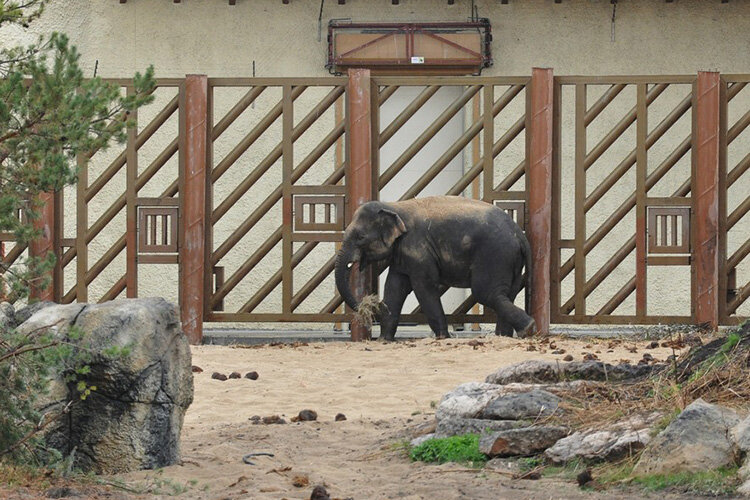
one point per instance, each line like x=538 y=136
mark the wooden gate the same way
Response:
x=276 y=198
x=734 y=225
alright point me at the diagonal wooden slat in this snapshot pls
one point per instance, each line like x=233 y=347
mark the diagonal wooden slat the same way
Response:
x=604 y=144
x=141 y=139
x=247 y=141
x=246 y=267
x=624 y=166
x=313 y=282
x=116 y=290
x=425 y=137
x=408 y=112
x=240 y=106
x=602 y=103
x=275 y=154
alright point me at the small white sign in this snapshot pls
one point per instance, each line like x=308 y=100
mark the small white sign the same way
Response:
x=417 y=60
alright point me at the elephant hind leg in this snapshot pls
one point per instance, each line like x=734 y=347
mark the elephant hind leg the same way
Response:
x=512 y=316
x=503 y=328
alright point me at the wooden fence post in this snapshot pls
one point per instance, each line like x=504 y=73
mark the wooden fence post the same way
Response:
x=539 y=187
x=44 y=244
x=192 y=186
x=705 y=196
x=359 y=180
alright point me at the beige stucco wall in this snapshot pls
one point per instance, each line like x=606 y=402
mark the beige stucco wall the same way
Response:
x=574 y=37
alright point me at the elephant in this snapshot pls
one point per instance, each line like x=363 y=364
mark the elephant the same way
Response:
x=431 y=244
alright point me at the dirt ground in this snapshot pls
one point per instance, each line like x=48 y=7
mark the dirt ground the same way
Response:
x=386 y=391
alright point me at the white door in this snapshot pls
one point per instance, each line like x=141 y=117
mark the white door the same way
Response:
x=422 y=160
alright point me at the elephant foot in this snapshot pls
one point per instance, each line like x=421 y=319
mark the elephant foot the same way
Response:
x=528 y=331
x=441 y=336
x=386 y=339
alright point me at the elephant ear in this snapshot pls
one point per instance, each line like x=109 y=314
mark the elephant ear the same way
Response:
x=394 y=228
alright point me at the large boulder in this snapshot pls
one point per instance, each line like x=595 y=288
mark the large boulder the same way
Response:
x=741 y=436
x=697 y=440
x=133 y=419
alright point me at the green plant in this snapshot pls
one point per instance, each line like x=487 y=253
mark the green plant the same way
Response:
x=50 y=115
x=463 y=449
x=721 y=481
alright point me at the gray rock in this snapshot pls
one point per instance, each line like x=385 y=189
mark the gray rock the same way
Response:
x=7 y=316
x=508 y=465
x=520 y=442
x=539 y=372
x=467 y=400
x=456 y=426
x=421 y=439
x=24 y=313
x=134 y=417
x=741 y=435
x=744 y=471
x=58 y=318
x=697 y=440
x=744 y=489
x=602 y=445
x=533 y=404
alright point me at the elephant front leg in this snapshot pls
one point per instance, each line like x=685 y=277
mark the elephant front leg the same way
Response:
x=397 y=287
x=429 y=299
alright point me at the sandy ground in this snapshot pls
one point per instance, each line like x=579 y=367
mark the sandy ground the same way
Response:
x=386 y=391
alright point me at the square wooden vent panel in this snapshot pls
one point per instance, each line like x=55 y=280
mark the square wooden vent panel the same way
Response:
x=398 y=48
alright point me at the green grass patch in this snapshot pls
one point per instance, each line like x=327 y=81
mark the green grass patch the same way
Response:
x=462 y=449
x=529 y=463
x=723 y=481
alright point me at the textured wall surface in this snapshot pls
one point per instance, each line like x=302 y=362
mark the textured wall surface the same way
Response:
x=574 y=37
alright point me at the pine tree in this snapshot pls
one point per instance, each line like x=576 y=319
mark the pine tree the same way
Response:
x=49 y=115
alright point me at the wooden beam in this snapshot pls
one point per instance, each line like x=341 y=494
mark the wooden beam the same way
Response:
x=705 y=198
x=359 y=179
x=192 y=188
x=539 y=189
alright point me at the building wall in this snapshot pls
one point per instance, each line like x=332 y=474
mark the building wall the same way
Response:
x=574 y=37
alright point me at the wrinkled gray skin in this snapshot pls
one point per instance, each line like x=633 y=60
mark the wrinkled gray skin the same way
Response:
x=430 y=244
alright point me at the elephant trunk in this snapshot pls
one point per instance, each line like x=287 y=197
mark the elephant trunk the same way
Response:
x=347 y=255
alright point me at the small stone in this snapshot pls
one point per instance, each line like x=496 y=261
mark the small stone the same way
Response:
x=559 y=351
x=235 y=375
x=319 y=493
x=340 y=417
x=531 y=347
x=653 y=345
x=307 y=416
x=300 y=481
x=197 y=369
x=648 y=357
x=590 y=357
x=252 y=375
x=255 y=419
x=552 y=345
x=568 y=358
x=273 y=419
x=218 y=376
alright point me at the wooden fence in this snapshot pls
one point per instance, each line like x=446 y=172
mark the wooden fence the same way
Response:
x=282 y=187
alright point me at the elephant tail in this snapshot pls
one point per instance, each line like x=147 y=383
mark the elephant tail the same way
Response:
x=526 y=279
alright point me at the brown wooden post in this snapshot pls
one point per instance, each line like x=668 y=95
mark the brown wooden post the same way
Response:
x=705 y=196
x=40 y=247
x=359 y=180
x=539 y=188
x=192 y=184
